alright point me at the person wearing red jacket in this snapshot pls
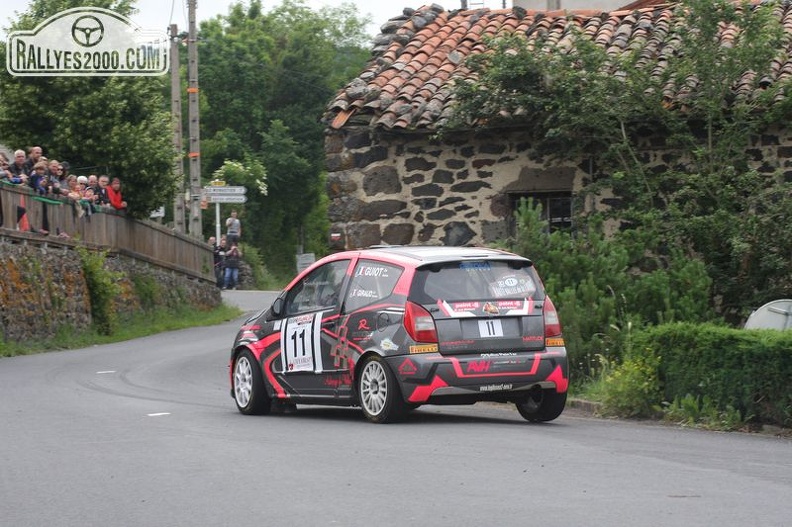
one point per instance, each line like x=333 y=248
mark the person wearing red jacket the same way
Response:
x=114 y=195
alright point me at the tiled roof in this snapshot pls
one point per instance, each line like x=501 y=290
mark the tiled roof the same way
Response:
x=407 y=84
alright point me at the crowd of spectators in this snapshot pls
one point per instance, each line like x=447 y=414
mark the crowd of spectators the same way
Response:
x=52 y=178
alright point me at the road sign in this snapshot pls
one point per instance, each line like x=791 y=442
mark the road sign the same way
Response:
x=214 y=191
x=231 y=198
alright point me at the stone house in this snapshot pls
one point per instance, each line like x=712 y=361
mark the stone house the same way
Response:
x=390 y=180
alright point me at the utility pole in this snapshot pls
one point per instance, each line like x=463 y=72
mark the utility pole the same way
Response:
x=176 y=120
x=196 y=229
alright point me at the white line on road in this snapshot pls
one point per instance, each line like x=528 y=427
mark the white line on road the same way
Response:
x=159 y=414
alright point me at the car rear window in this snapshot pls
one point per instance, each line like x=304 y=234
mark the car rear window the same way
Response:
x=476 y=280
x=371 y=282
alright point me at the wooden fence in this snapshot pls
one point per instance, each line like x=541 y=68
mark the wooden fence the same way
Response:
x=54 y=220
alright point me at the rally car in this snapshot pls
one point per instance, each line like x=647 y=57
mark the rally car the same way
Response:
x=389 y=329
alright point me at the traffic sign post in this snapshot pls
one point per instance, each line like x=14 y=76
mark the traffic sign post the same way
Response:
x=224 y=191
x=218 y=193
x=233 y=198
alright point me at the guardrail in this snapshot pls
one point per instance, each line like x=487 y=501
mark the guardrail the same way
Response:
x=62 y=221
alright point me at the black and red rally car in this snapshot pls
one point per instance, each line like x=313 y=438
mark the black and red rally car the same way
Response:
x=392 y=328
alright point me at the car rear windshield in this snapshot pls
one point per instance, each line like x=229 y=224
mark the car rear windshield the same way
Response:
x=476 y=280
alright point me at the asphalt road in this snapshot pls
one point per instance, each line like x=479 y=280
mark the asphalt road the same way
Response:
x=145 y=433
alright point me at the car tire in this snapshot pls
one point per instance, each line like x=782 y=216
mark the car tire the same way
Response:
x=542 y=405
x=250 y=394
x=379 y=393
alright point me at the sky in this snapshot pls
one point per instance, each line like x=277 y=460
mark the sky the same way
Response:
x=159 y=14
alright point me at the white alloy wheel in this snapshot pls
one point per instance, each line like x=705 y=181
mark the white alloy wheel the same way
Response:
x=243 y=381
x=250 y=392
x=379 y=393
x=373 y=388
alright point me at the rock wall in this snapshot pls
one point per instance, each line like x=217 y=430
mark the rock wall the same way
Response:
x=43 y=288
x=413 y=188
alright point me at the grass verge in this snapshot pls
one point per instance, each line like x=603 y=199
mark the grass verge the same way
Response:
x=140 y=325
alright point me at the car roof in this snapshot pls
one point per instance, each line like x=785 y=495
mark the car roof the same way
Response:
x=428 y=254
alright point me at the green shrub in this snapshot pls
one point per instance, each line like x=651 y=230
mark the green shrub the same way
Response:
x=103 y=288
x=604 y=286
x=632 y=389
x=749 y=371
x=147 y=290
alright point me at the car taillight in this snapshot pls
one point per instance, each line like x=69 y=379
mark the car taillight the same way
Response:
x=551 y=322
x=419 y=323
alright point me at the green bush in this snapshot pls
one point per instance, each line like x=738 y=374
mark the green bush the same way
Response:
x=103 y=288
x=747 y=371
x=147 y=290
x=633 y=388
x=602 y=286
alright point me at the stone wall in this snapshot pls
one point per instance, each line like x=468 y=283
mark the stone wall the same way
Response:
x=414 y=189
x=43 y=288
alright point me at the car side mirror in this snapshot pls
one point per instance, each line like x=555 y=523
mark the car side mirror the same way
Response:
x=277 y=308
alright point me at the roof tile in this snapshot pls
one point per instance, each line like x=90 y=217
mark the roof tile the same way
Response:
x=407 y=83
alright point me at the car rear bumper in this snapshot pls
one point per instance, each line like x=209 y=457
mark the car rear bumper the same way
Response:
x=430 y=377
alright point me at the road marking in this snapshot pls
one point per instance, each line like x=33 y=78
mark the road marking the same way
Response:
x=159 y=414
x=106 y=371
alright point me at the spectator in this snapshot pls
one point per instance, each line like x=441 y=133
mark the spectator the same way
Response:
x=17 y=167
x=232 y=258
x=65 y=166
x=38 y=178
x=55 y=173
x=218 y=249
x=114 y=195
x=73 y=190
x=233 y=229
x=34 y=156
x=101 y=191
x=5 y=173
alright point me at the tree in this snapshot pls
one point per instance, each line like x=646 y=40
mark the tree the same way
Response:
x=114 y=125
x=707 y=99
x=266 y=79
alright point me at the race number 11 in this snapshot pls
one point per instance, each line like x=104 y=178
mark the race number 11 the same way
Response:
x=490 y=328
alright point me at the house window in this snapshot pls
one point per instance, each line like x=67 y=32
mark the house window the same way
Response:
x=556 y=209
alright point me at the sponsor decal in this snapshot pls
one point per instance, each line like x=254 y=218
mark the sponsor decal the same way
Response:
x=407 y=367
x=336 y=381
x=388 y=345
x=532 y=338
x=491 y=309
x=363 y=325
x=499 y=354
x=557 y=341
x=87 y=41
x=363 y=293
x=465 y=306
x=458 y=343
x=495 y=387
x=478 y=366
x=423 y=348
x=511 y=285
x=301 y=364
